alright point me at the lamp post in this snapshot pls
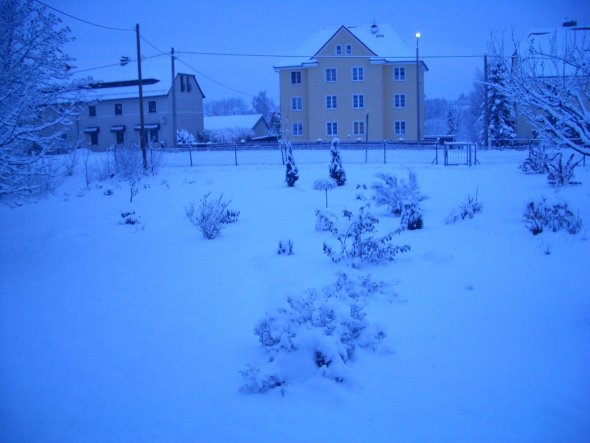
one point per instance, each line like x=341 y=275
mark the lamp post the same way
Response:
x=418 y=135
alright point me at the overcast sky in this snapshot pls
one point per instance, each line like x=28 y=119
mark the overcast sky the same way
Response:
x=452 y=27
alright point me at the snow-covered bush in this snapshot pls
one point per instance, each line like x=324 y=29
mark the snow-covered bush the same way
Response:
x=561 y=174
x=292 y=172
x=537 y=162
x=129 y=166
x=325 y=221
x=357 y=244
x=210 y=216
x=324 y=184
x=540 y=215
x=129 y=218
x=395 y=193
x=317 y=332
x=285 y=247
x=411 y=218
x=185 y=138
x=466 y=210
x=336 y=170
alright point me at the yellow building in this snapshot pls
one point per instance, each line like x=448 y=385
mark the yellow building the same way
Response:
x=356 y=83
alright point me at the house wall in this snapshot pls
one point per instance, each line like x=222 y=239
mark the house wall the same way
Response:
x=377 y=88
x=189 y=111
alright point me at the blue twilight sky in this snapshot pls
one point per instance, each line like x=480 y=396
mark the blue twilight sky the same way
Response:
x=451 y=27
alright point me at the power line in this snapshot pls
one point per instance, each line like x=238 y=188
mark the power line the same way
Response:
x=237 y=54
x=82 y=20
x=154 y=46
x=97 y=68
x=213 y=80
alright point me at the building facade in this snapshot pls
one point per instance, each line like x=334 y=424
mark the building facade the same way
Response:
x=110 y=112
x=359 y=83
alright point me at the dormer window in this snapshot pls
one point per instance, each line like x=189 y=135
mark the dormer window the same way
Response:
x=348 y=49
x=338 y=50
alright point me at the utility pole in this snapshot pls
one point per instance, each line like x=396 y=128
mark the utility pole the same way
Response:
x=142 y=141
x=418 y=135
x=486 y=111
x=174 y=140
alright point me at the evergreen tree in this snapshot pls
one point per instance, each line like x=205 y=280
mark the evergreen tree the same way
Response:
x=336 y=170
x=452 y=121
x=500 y=108
x=292 y=172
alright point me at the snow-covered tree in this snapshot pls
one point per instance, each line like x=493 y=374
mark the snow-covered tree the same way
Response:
x=336 y=169
x=292 y=172
x=185 y=138
x=452 y=121
x=548 y=78
x=500 y=106
x=37 y=94
x=262 y=104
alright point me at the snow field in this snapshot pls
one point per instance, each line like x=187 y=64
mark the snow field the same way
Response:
x=112 y=332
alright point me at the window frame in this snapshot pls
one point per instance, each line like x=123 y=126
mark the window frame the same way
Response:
x=152 y=109
x=332 y=128
x=296 y=103
x=399 y=127
x=297 y=129
x=91 y=110
x=118 y=108
x=359 y=73
x=296 y=77
x=399 y=101
x=358 y=127
x=399 y=73
x=330 y=75
x=331 y=102
x=358 y=101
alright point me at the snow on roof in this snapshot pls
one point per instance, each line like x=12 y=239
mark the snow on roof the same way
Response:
x=121 y=92
x=221 y=122
x=381 y=39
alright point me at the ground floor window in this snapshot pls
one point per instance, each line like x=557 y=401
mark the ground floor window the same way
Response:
x=332 y=128
x=94 y=138
x=358 y=128
x=297 y=129
x=400 y=127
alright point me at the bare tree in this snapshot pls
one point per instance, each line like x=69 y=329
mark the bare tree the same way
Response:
x=548 y=80
x=37 y=95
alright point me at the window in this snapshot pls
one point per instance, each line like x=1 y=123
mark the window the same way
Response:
x=399 y=100
x=92 y=111
x=189 y=86
x=182 y=84
x=152 y=134
x=296 y=77
x=331 y=74
x=358 y=101
x=358 y=128
x=296 y=103
x=348 y=49
x=338 y=50
x=400 y=128
x=358 y=74
x=152 y=106
x=332 y=128
x=120 y=137
x=399 y=74
x=331 y=102
x=118 y=109
x=297 y=128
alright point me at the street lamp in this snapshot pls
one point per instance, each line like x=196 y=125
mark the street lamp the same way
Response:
x=418 y=137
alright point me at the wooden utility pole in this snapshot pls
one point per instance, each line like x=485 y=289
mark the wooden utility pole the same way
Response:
x=174 y=138
x=486 y=110
x=142 y=141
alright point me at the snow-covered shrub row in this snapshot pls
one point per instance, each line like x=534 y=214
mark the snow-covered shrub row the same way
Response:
x=466 y=210
x=561 y=174
x=357 y=244
x=537 y=162
x=210 y=216
x=540 y=215
x=315 y=333
x=285 y=247
x=395 y=193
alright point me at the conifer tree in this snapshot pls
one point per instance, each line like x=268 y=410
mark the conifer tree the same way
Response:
x=336 y=169
x=292 y=172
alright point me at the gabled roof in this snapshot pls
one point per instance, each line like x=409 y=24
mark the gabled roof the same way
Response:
x=381 y=40
x=220 y=122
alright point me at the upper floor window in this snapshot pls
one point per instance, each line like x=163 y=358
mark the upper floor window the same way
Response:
x=399 y=100
x=189 y=86
x=91 y=110
x=331 y=74
x=331 y=102
x=400 y=127
x=152 y=106
x=332 y=128
x=348 y=49
x=296 y=103
x=182 y=83
x=358 y=74
x=118 y=109
x=358 y=101
x=296 y=77
x=399 y=73
x=338 y=50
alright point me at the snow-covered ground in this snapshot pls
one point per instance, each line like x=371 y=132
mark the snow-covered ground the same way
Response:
x=118 y=333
